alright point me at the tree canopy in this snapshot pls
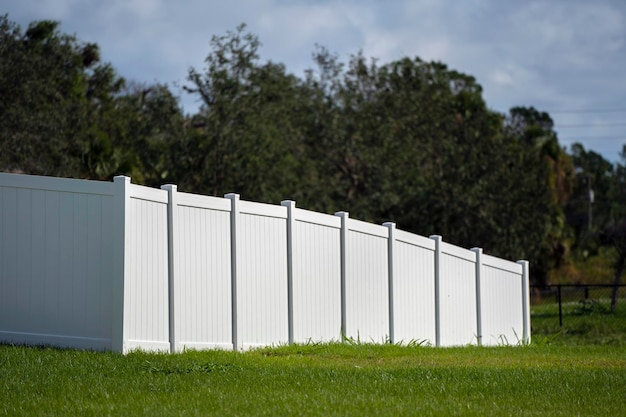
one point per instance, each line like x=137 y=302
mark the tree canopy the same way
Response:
x=408 y=141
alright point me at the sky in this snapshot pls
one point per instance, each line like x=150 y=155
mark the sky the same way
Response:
x=566 y=57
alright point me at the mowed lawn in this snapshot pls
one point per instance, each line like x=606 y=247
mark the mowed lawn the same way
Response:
x=317 y=380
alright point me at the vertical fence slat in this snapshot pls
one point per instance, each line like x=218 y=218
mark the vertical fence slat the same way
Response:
x=316 y=276
x=366 y=283
x=261 y=275
x=146 y=303
x=457 y=298
x=413 y=288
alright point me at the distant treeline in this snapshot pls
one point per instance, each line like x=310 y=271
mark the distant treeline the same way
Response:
x=407 y=141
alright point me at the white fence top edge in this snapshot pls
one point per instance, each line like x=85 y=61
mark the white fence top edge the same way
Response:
x=313 y=217
x=66 y=185
x=415 y=240
x=262 y=209
x=502 y=264
x=203 y=201
x=367 y=228
x=148 y=194
x=458 y=252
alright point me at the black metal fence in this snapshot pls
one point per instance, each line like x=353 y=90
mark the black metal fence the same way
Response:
x=581 y=313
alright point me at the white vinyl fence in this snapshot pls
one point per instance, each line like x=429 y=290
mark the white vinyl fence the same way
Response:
x=117 y=266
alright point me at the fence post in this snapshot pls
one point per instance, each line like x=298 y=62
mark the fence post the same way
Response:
x=172 y=253
x=437 y=240
x=121 y=198
x=390 y=246
x=234 y=221
x=291 y=205
x=344 y=234
x=479 y=323
x=525 y=302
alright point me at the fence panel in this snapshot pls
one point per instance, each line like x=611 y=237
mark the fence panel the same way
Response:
x=366 y=282
x=261 y=278
x=316 y=278
x=413 y=288
x=202 y=299
x=457 y=296
x=56 y=245
x=502 y=310
x=120 y=266
x=146 y=302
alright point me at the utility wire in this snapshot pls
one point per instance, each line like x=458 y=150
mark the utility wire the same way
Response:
x=588 y=125
x=623 y=137
x=582 y=111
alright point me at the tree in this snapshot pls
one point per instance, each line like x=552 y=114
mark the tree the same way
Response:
x=64 y=113
x=414 y=142
x=245 y=137
x=145 y=125
x=534 y=130
x=615 y=234
x=50 y=86
x=409 y=141
x=589 y=208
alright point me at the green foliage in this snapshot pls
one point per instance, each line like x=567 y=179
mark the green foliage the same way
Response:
x=595 y=173
x=592 y=267
x=147 y=127
x=64 y=113
x=601 y=220
x=413 y=142
x=245 y=138
x=617 y=194
x=406 y=141
x=554 y=171
x=51 y=85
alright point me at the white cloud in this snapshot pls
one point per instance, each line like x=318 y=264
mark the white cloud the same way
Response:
x=502 y=78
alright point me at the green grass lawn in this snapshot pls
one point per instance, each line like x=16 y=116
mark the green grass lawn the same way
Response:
x=317 y=380
x=584 y=321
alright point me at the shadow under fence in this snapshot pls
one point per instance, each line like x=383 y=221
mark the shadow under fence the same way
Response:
x=579 y=313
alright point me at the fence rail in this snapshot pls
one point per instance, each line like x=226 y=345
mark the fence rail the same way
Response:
x=120 y=266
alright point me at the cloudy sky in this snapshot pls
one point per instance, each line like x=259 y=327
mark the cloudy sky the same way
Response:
x=567 y=57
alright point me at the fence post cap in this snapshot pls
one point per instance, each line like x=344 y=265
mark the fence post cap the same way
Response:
x=121 y=178
x=172 y=187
